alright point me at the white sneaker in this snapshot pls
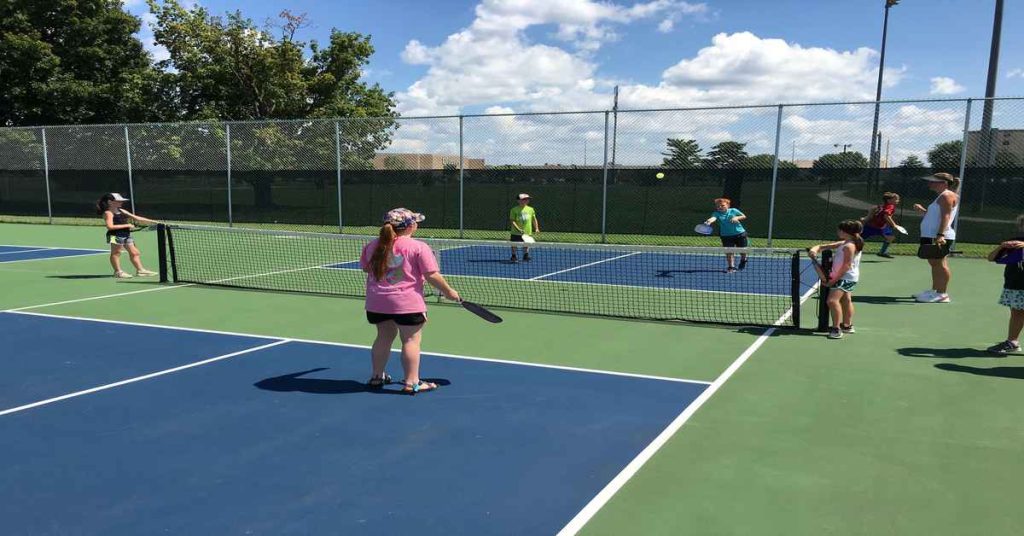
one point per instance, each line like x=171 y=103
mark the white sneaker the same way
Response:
x=122 y=275
x=923 y=295
x=936 y=298
x=145 y=273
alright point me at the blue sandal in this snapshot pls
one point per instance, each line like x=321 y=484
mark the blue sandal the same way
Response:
x=419 y=387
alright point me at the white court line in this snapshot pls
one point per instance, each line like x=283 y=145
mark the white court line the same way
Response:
x=602 y=498
x=583 y=266
x=91 y=252
x=91 y=298
x=141 y=378
x=364 y=347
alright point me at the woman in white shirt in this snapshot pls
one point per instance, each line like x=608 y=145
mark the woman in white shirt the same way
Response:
x=937 y=228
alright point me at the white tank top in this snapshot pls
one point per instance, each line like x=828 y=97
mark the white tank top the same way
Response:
x=853 y=274
x=932 y=218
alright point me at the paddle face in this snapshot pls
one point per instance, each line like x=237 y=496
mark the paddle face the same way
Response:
x=529 y=239
x=900 y=229
x=479 y=310
x=703 y=229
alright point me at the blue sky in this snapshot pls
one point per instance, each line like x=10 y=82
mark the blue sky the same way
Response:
x=445 y=57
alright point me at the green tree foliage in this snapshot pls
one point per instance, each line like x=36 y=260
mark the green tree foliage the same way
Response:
x=230 y=68
x=72 y=61
x=682 y=154
x=911 y=166
x=766 y=161
x=726 y=155
x=834 y=161
x=946 y=156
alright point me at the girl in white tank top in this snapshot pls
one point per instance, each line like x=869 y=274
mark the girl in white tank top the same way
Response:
x=844 y=275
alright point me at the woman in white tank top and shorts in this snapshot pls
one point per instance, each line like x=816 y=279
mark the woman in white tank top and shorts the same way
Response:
x=937 y=228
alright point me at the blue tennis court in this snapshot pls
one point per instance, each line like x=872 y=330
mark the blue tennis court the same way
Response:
x=763 y=274
x=117 y=428
x=32 y=253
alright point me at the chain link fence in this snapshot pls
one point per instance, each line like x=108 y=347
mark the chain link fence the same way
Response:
x=636 y=176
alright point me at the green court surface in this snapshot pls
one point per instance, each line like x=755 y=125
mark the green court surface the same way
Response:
x=905 y=427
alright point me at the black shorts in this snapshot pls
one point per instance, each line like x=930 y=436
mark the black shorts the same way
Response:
x=735 y=241
x=945 y=247
x=402 y=319
x=516 y=238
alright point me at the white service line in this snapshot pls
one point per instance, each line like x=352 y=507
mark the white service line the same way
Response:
x=583 y=266
x=602 y=498
x=141 y=378
x=362 y=347
x=65 y=302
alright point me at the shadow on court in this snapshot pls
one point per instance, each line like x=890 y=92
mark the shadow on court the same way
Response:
x=80 y=276
x=1015 y=373
x=294 y=383
x=943 y=353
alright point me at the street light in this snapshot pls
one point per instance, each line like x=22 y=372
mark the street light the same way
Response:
x=878 y=91
x=845 y=146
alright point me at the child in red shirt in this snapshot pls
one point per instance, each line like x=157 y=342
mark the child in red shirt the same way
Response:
x=879 y=222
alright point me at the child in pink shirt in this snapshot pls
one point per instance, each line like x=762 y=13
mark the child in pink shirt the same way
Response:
x=396 y=266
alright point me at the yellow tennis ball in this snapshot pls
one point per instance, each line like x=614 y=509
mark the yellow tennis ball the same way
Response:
x=660 y=175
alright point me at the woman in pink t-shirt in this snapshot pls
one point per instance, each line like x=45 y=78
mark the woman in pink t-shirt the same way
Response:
x=396 y=266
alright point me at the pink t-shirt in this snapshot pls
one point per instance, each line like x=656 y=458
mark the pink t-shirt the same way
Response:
x=401 y=290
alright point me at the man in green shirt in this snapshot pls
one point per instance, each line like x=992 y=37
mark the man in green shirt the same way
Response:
x=523 y=220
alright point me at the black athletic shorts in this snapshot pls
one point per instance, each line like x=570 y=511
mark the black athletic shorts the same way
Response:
x=946 y=248
x=403 y=319
x=516 y=238
x=735 y=241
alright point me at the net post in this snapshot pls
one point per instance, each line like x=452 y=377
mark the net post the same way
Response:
x=46 y=177
x=604 y=187
x=173 y=257
x=227 y=138
x=794 y=289
x=823 y=291
x=337 y=153
x=775 y=181
x=128 y=157
x=462 y=169
x=161 y=251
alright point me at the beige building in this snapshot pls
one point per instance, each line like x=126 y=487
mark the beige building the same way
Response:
x=422 y=161
x=1004 y=141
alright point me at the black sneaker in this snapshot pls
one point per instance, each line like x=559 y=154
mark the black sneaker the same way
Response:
x=835 y=333
x=743 y=263
x=847 y=329
x=526 y=257
x=514 y=259
x=885 y=255
x=1004 y=348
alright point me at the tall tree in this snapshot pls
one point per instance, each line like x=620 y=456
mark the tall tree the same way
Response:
x=834 y=161
x=72 y=61
x=911 y=166
x=766 y=161
x=681 y=154
x=726 y=155
x=945 y=156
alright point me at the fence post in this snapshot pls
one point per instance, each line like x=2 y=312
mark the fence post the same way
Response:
x=128 y=155
x=775 y=177
x=231 y=220
x=337 y=153
x=46 y=177
x=462 y=168
x=963 y=165
x=604 y=188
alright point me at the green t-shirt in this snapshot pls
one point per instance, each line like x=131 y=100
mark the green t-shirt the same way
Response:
x=524 y=216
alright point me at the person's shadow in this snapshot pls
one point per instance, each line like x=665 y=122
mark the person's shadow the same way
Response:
x=882 y=300
x=943 y=353
x=295 y=383
x=1016 y=373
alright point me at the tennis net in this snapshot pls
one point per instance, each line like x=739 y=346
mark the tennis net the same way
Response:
x=637 y=282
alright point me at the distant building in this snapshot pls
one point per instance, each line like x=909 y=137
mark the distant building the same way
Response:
x=804 y=164
x=1004 y=141
x=422 y=161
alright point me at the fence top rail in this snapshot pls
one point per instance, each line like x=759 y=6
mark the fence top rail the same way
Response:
x=312 y=121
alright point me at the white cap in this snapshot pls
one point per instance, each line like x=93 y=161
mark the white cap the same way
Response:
x=524 y=196
x=118 y=197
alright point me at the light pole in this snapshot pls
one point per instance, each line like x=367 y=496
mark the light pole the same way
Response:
x=845 y=146
x=986 y=154
x=878 y=91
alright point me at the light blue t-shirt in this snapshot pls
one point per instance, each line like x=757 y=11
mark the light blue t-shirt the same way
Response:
x=726 y=227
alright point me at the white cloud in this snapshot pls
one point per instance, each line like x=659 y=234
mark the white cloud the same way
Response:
x=666 y=25
x=943 y=85
x=1015 y=73
x=159 y=52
